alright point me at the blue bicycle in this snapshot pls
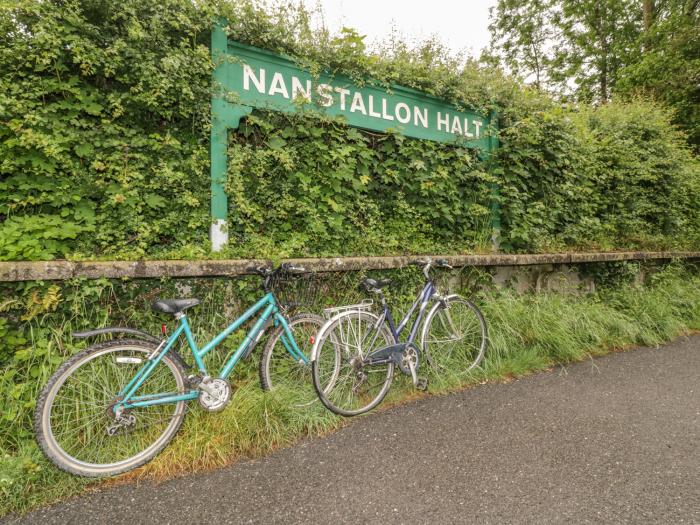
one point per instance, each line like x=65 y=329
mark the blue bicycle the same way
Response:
x=357 y=351
x=117 y=404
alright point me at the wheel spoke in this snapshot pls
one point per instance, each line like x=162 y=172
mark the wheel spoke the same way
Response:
x=78 y=412
x=348 y=384
x=280 y=371
x=454 y=339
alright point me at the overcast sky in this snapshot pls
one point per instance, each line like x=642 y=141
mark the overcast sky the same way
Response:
x=462 y=25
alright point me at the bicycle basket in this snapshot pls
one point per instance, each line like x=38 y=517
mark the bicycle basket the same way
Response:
x=297 y=290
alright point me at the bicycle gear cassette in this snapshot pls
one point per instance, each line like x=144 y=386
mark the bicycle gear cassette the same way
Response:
x=214 y=394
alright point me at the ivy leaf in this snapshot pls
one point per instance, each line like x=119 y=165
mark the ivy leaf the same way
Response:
x=276 y=143
x=155 y=201
x=83 y=150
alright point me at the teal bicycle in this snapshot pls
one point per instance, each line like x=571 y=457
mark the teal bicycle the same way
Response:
x=117 y=404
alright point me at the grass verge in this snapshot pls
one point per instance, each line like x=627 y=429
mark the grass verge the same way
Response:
x=527 y=333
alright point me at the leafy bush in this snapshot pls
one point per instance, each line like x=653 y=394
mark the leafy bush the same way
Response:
x=616 y=176
x=104 y=129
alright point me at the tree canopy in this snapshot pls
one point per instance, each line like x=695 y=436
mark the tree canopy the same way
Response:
x=593 y=50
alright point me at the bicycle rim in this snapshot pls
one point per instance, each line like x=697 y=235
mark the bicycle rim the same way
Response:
x=455 y=336
x=344 y=384
x=77 y=420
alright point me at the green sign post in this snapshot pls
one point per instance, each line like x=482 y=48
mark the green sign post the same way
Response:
x=246 y=77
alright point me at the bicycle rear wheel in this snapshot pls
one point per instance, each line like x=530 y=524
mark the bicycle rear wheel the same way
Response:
x=454 y=336
x=75 y=423
x=345 y=384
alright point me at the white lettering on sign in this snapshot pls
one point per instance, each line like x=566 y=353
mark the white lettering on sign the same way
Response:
x=373 y=113
x=402 y=112
x=358 y=104
x=278 y=86
x=324 y=93
x=445 y=121
x=402 y=107
x=248 y=75
x=385 y=115
x=456 y=126
x=423 y=117
x=466 y=129
x=298 y=89
x=343 y=92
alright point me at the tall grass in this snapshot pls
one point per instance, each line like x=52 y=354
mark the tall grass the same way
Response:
x=527 y=333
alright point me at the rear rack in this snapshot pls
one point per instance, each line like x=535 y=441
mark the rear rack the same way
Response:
x=366 y=304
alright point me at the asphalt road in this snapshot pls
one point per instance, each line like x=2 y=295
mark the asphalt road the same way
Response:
x=612 y=440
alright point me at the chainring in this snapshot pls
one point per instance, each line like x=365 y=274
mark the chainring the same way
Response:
x=218 y=399
x=410 y=353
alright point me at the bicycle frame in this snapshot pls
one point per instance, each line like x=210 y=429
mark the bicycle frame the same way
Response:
x=421 y=302
x=267 y=305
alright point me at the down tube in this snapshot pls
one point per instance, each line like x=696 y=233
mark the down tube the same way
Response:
x=289 y=342
x=226 y=370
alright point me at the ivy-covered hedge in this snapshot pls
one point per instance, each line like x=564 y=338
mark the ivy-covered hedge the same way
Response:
x=104 y=110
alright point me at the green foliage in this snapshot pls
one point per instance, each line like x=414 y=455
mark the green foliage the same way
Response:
x=604 y=178
x=520 y=37
x=596 y=49
x=567 y=45
x=305 y=187
x=669 y=68
x=104 y=140
x=103 y=108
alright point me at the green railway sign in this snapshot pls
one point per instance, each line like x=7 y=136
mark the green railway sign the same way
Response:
x=246 y=77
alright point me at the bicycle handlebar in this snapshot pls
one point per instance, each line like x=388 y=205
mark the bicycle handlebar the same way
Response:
x=283 y=268
x=269 y=273
x=290 y=268
x=428 y=263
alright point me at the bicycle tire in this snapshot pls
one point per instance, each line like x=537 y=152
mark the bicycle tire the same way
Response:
x=473 y=356
x=44 y=430
x=332 y=333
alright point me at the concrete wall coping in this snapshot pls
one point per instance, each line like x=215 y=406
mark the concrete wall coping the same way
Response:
x=12 y=271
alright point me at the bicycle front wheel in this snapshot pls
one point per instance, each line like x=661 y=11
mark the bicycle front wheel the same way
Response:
x=278 y=370
x=345 y=384
x=454 y=336
x=75 y=423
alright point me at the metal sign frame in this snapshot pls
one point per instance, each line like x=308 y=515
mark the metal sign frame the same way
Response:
x=246 y=77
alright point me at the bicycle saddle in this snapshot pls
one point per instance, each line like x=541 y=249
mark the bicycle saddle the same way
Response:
x=374 y=284
x=174 y=306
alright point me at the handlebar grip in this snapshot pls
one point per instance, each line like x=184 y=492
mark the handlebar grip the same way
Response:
x=290 y=268
x=257 y=269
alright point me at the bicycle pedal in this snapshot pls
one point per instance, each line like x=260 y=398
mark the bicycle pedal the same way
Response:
x=422 y=384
